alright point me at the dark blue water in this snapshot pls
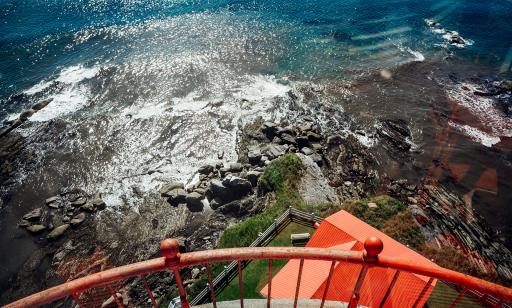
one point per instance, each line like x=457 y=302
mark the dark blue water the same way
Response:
x=315 y=38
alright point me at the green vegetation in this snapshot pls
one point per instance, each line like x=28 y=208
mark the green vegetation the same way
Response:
x=255 y=275
x=282 y=176
x=390 y=216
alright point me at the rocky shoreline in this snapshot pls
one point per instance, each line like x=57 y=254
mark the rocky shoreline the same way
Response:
x=77 y=236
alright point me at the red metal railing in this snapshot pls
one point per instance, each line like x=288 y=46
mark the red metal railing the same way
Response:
x=486 y=293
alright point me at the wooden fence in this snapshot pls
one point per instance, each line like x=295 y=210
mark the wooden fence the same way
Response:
x=231 y=271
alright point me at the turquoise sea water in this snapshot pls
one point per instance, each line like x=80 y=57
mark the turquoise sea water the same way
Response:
x=315 y=39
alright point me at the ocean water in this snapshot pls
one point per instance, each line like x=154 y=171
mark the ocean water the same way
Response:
x=146 y=91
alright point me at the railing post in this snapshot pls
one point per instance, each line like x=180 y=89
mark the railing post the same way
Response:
x=170 y=249
x=372 y=246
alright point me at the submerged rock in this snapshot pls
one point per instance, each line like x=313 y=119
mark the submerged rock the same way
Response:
x=206 y=169
x=33 y=215
x=36 y=229
x=57 y=232
x=78 y=219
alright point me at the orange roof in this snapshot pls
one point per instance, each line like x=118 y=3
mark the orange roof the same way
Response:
x=344 y=231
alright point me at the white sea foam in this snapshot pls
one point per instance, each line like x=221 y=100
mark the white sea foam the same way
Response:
x=65 y=102
x=492 y=121
x=76 y=74
x=475 y=134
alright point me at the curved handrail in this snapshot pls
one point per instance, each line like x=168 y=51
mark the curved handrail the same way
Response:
x=174 y=260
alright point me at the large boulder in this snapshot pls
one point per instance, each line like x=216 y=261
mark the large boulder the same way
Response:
x=235 y=167
x=237 y=208
x=239 y=187
x=269 y=129
x=176 y=196
x=254 y=156
x=98 y=204
x=219 y=191
x=194 y=202
x=253 y=177
x=206 y=169
x=171 y=186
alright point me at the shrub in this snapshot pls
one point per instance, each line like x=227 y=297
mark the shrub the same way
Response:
x=403 y=228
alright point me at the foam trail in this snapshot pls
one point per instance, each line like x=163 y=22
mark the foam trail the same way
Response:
x=381 y=34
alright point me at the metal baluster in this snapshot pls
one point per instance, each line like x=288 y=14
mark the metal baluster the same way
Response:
x=181 y=289
x=151 y=296
x=354 y=299
x=390 y=288
x=113 y=293
x=459 y=297
x=301 y=265
x=327 y=283
x=211 y=285
x=425 y=289
x=240 y=284
x=269 y=282
x=76 y=298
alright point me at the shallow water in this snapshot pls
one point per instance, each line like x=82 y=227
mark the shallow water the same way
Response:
x=145 y=92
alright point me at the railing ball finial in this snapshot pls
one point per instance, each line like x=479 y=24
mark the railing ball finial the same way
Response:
x=170 y=248
x=373 y=246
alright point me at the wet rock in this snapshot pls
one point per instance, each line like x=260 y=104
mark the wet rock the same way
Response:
x=34 y=229
x=395 y=135
x=219 y=191
x=307 y=151
x=273 y=151
x=288 y=139
x=206 y=169
x=305 y=127
x=57 y=232
x=88 y=207
x=237 y=208
x=457 y=39
x=78 y=219
x=99 y=204
x=33 y=215
x=506 y=85
x=176 y=196
x=40 y=105
x=314 y=137
x=269 y=129
x=239 y=187
x=26 y=114
x=52 y=199
x=253 y=177
x=171 y=186
x=194 y=202
x=302 y=142
x=254 y=157
x=23 y=223
x=79 y=202
x=235 y=167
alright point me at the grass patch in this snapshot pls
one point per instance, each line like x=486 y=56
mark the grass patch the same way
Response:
x=255 y=275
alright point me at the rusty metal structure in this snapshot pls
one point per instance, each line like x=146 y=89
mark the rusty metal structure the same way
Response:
x=481 y=292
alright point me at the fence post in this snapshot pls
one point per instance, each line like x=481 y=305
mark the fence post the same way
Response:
x=170 y=249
